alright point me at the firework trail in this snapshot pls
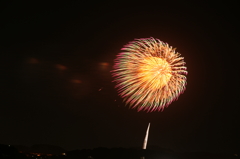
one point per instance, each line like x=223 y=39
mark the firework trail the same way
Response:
x=149 y=74
x=146 y=137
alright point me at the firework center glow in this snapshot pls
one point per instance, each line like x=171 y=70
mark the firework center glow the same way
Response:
x=156 y=70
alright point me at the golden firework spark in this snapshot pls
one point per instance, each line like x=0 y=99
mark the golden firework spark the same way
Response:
x=149 y=74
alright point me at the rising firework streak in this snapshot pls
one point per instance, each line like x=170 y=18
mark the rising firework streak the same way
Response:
x=146 y=138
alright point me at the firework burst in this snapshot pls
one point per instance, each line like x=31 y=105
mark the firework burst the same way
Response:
x=149 y=74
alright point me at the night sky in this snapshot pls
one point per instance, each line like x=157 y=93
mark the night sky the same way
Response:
x=56 y=86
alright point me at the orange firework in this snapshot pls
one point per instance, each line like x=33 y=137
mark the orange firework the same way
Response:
x=149 y=74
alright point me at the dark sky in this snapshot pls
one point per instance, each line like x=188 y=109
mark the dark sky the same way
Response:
x=56 y=86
